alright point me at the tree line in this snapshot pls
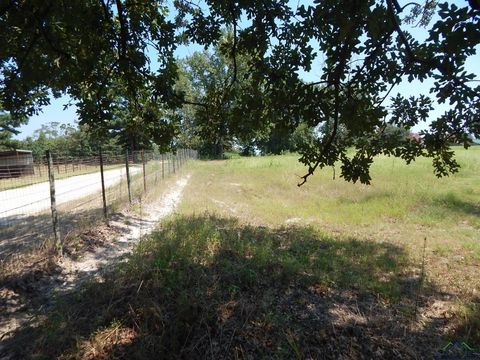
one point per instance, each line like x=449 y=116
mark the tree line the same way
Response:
x=116 y=61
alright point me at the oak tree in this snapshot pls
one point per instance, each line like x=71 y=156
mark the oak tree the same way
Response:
x=98 y=50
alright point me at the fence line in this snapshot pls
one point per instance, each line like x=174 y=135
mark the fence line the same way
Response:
x=44 y=199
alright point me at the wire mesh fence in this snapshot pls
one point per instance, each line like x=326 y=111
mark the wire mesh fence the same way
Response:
x=41 y=200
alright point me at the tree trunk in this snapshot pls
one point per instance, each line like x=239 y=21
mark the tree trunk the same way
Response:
x=220 y=150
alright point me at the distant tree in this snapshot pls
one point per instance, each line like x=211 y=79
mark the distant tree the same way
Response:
x=399 y=132
x=303 y=137
x=247 y=149
x=205 y=80
x=8 y=128
x=66 y=140
x=276 y=141
x=100 y=51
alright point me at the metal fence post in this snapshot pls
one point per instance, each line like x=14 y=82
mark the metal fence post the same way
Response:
x=104 y=197
x=128 y=177
x=53 y=204
x=144 y=175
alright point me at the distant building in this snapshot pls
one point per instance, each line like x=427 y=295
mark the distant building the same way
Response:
x=15 y=163
x=415 y=137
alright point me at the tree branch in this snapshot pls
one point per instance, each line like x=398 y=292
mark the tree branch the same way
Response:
x=196 y=104
x=395 y=83
x=391 y=4
x=330 y=140
x=123 y=31
x=414 y=58
x=108 y=16
x=409 y=4
x=371 y=56
x=338 y=75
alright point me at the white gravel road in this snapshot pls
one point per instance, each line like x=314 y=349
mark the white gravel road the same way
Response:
x=33 y=199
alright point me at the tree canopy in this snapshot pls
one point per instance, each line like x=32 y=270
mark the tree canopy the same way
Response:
x=212 y=114
x=100 y=51
x=8 y=128
x=67 y=141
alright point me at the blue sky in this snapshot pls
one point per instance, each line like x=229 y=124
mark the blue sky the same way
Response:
x=55 y=112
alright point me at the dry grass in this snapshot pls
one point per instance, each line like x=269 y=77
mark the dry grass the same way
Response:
x=403 y=206
x=254 y=267
x=205 y=286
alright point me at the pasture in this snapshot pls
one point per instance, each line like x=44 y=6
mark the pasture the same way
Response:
x=252 y=266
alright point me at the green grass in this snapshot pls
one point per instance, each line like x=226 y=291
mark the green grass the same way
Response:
x=403 y=206
x=200 y=278
x=254 y=267
x=266 y=187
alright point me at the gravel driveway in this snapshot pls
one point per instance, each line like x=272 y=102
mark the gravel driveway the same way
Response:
x=33 y=199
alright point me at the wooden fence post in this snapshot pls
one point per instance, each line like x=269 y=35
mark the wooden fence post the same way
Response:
x=163 y=166
x=169 y=156
x=128 y=177
x=104 y=197
x=144 y=175
x=53 y=204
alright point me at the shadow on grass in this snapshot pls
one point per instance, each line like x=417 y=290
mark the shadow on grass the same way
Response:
x=209 y=287
x=28 y=265
x=453 y=203
x=34 y=232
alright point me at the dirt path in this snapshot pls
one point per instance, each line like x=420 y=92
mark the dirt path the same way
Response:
x=33 y=199
x=133 y=231
x=70 y=273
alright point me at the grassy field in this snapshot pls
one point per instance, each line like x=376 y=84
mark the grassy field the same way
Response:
x=404 y=206
x=252 y=266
